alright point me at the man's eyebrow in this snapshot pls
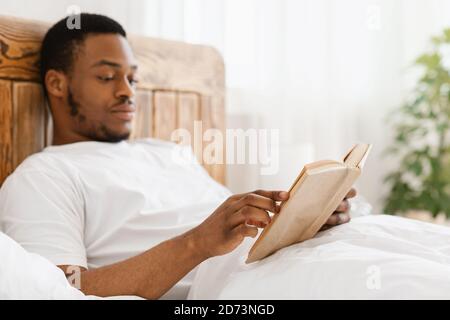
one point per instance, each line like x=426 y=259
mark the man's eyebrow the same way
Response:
x=104 y=62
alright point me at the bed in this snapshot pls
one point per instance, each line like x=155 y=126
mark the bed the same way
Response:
x=179 y=84
x=372 y=257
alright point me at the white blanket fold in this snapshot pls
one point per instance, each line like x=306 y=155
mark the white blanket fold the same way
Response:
x=372 y=257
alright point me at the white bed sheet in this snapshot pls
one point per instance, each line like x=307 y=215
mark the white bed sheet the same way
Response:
x=372 y=257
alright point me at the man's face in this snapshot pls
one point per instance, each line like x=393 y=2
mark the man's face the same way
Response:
x=101 y=88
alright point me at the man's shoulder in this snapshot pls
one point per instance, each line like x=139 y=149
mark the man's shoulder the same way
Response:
x=39 y=161
x=42 y=164
x=39 y=173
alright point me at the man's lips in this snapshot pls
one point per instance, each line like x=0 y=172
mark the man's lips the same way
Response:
x=124 y=111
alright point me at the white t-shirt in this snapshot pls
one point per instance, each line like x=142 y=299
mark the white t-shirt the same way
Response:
x=92 y=204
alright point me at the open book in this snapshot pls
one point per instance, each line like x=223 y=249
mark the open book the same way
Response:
x=313 y=197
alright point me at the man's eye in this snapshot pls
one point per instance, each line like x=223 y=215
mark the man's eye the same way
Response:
x=105 y=78
x=133 y=81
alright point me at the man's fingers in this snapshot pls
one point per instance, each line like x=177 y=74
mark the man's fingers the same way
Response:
x=245 y=231
x=351 y=193
x=250 y=214
x=256 y=223
x=325 y=227
x=274 y=195
x=338 y=218
x=344 y=206
x=255 y=200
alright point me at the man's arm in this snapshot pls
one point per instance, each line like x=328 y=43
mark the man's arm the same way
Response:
x=154 y=272
x=148 y=275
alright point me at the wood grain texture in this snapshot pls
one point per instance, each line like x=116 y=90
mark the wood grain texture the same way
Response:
x=175 y=78
x=48 y=127
x=188 y=111
x=20 y=42
x=29 y=120
x=143 y=121
x=165 y=114
x=6 y=132
x=213 y=117
x=179 y=66
x=189 y=119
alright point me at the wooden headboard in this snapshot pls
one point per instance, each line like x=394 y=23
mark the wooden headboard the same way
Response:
x=179 y=83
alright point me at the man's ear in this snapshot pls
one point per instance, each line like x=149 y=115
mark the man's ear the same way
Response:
x=56 y=83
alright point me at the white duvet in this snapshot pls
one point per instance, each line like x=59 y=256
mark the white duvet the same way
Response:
x=372 y=257
x=25 y=275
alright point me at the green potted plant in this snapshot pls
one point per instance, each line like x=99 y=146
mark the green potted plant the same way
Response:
x=422 y=139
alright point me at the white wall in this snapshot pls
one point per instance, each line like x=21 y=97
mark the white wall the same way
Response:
x=53 y=10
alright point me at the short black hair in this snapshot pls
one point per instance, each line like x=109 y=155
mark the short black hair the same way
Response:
x=60 y=43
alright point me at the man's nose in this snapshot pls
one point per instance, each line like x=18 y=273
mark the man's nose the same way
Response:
x=125 y=90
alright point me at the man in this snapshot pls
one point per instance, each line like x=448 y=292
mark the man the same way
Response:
x=125 y=214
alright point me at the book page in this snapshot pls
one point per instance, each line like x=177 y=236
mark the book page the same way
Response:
x=357 y=155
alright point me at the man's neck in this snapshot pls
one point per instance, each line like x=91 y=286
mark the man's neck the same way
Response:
x=61 y=137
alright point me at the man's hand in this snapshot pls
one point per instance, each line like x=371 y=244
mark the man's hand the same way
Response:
x=238 y=217
x=341 y=214
x=241 y=215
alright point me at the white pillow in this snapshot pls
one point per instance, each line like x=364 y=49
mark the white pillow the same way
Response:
x=25 y=275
